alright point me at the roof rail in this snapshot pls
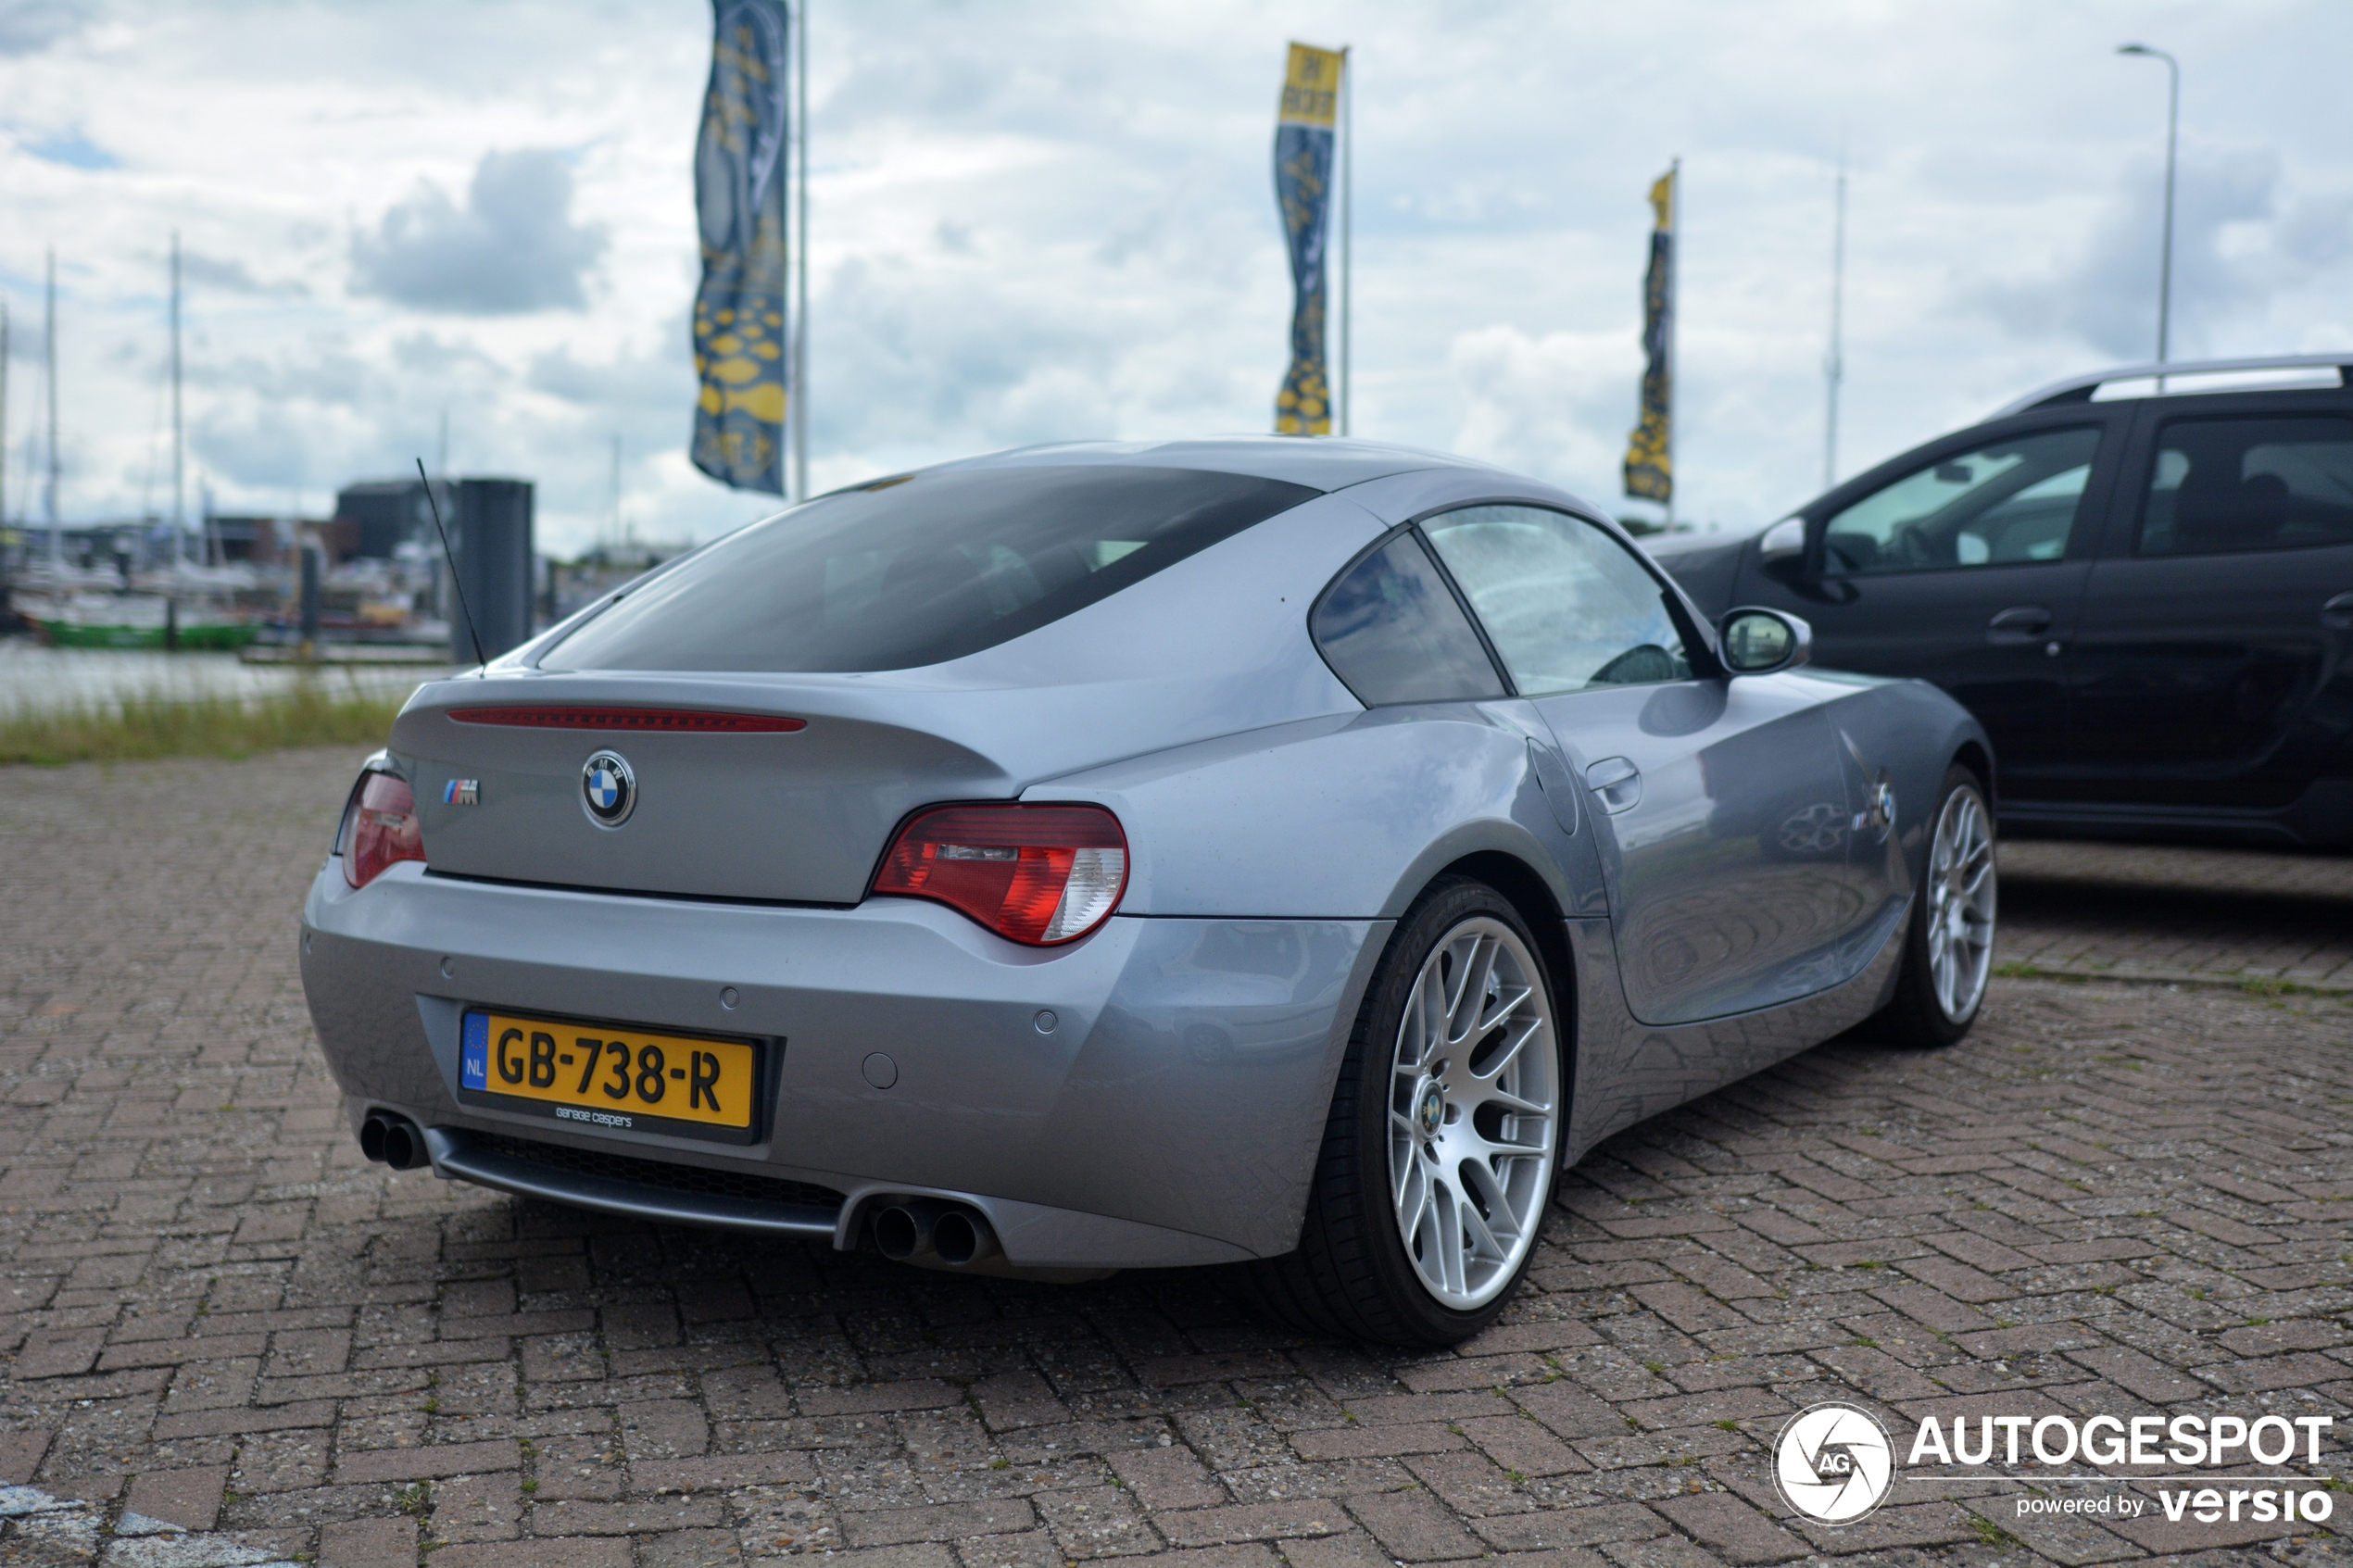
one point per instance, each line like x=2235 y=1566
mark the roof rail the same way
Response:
x=2079 y=388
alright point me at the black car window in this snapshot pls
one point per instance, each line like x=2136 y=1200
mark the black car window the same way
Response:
x=1566 y=605
x=2007 y=503
x=919 y=570
x=2225 y=485
x=1393 y=632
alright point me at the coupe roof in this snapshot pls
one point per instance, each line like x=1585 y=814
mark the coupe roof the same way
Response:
x=1321 y=463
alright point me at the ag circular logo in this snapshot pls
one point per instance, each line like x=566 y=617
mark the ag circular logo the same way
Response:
x=608 y=789
x=1833 y=1462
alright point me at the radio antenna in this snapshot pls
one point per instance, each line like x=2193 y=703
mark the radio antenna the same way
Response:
x=451 y=556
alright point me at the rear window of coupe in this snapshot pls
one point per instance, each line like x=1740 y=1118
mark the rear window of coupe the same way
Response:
x=918 y=570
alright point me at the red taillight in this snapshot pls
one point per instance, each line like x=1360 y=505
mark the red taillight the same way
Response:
x=1038 y=874
x=380 y=829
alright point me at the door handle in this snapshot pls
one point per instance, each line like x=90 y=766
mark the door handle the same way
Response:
x=1617 y=782
x=2020 y=623
x=2337 y=614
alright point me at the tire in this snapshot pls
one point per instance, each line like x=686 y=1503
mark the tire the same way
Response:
x=1442 y=1119
x=1948 y=944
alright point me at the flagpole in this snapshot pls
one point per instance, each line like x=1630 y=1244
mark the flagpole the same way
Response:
x=1674 y=321
x=800 y=306
x=1834 y=366
x=1347 y=234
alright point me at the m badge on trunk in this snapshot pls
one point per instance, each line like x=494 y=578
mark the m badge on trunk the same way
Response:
x=608 y=789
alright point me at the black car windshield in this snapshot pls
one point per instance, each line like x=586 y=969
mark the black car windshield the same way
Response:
x=920 y=569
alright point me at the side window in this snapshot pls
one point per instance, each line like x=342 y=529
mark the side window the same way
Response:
x=1565 y=604
x=2006 y=504
x=1393 y=632
x=2226 y=485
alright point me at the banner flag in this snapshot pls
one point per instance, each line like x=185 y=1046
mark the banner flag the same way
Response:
x=1303 y=135
x=739 y=196
x=1650 y=452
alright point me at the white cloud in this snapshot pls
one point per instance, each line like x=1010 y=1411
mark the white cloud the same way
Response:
x=1056 y=220
x=511 y=249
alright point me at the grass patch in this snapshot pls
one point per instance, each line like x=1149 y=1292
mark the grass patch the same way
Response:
x=2257 y=985
x=146 y=727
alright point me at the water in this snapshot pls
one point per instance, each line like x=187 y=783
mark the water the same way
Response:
x=35 y=678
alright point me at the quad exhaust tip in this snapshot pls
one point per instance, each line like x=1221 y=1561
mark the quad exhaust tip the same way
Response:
x=388 y=1138
x=930 y=1231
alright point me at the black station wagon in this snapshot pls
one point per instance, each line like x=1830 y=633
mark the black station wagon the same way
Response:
x=2140 y=582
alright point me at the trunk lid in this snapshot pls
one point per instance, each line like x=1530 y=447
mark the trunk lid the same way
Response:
x=799 y=816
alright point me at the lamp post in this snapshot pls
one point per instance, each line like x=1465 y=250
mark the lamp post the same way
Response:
x=2172 y=128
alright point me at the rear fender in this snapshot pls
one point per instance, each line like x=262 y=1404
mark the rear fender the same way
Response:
x=1344 y=817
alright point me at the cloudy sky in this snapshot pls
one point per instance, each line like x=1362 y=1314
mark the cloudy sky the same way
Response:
x=1042 y=220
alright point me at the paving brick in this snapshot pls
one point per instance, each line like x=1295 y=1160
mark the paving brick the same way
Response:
x=943 y=1522
x=580 y=1518
x=1522 y=1445
x=566 y=1552
x=1097 y=1522
x=1167 y=1478
x=1414 y=1528
x=184 y=1289
x=190 y=1498
x=427 y=1462
x=368 y=1543
x=1251 y=1522
x=1729 y=1528
x=1374 y=1442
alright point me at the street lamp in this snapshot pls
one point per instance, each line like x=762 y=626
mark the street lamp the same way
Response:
x=2173 y=125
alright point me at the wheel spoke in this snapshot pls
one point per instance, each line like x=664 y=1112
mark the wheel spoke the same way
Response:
x=1472 y=994
x=1446 y=1211
x=1410 y=1196
x=1510 y=1053
x=1513 y=1102
x=1483 y=1243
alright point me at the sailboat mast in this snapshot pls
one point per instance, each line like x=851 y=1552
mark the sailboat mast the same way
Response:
x=49 y=368
x=179 y=490
x=4 y=417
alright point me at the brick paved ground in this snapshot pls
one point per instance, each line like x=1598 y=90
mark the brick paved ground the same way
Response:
x=219 y=1320
x=2195 y=915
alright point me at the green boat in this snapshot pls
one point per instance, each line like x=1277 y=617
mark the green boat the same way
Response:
x=138 y=621
x=67 y=634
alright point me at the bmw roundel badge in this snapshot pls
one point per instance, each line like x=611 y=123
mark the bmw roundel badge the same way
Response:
x=608 y=789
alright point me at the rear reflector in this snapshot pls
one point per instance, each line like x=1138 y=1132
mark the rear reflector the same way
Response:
x=682 y=720
x=1037 y=874
x=380 y=828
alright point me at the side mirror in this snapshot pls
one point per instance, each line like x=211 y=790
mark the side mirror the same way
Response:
x=1783 y=543
x=1758 y=642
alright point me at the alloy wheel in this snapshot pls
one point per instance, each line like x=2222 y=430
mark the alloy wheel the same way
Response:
x=1960 y=909
x=1474 y=1113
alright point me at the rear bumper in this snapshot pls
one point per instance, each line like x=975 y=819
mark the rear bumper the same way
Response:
x=1170 y=1114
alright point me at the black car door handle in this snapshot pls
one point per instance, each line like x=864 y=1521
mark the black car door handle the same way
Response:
x=2337 y=614
x=2020 y=623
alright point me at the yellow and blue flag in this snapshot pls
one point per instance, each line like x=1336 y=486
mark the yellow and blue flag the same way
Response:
x=739 y=195
x=1649 y=451
x=1305 y=129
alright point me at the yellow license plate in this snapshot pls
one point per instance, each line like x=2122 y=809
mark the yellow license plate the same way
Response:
x=609 y=1075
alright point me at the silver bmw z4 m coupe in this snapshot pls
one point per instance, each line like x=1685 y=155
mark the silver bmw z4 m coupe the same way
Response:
x=1275 y=853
